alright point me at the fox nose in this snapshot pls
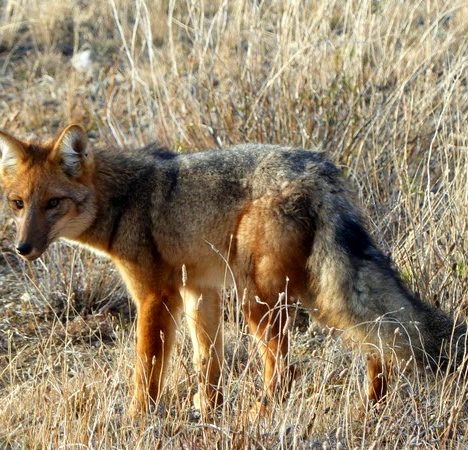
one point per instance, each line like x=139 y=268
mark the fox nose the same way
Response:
x=24 y=248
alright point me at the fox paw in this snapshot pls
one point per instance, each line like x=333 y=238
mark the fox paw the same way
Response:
x=140 y=408
x=207 y=404
x=260 y=410
x=196 y=401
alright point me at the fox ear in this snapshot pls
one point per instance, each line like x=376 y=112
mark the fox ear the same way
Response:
x=71 y=150
x=11 y=151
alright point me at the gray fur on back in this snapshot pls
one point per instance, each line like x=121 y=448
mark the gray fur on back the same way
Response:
x=196 y=199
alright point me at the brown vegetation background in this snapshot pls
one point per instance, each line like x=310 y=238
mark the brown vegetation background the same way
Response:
x=380 y=85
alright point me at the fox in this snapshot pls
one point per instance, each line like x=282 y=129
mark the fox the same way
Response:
x=283 y=219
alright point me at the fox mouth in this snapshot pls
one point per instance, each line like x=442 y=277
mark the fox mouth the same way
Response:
x=28 y=253
x=31 y=256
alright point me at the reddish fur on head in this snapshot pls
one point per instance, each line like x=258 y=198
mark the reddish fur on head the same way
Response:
x=48 y=187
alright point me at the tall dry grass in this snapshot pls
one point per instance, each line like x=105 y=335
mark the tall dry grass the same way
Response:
x=381 y=85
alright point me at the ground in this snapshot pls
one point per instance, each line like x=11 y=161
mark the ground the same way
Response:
x=381 y=86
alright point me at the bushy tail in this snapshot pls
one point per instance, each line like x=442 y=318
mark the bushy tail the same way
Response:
x=356 y=288
x=443 y=341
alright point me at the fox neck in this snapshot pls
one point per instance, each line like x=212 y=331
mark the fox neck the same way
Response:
x=117 y=199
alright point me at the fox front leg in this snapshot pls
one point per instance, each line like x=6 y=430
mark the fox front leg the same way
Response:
x=156 y=326
x=203 y=312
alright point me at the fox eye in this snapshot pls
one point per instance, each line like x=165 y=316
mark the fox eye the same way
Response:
x=53 y=203
x=19 y=204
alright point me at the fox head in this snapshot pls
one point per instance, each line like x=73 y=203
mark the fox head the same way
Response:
x=48 y=188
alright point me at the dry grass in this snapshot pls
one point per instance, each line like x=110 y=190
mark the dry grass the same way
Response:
x=381 y=85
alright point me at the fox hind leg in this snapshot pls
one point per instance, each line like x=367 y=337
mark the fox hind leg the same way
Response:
x=268 y=325
x=377 y=377
x=271 y=257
